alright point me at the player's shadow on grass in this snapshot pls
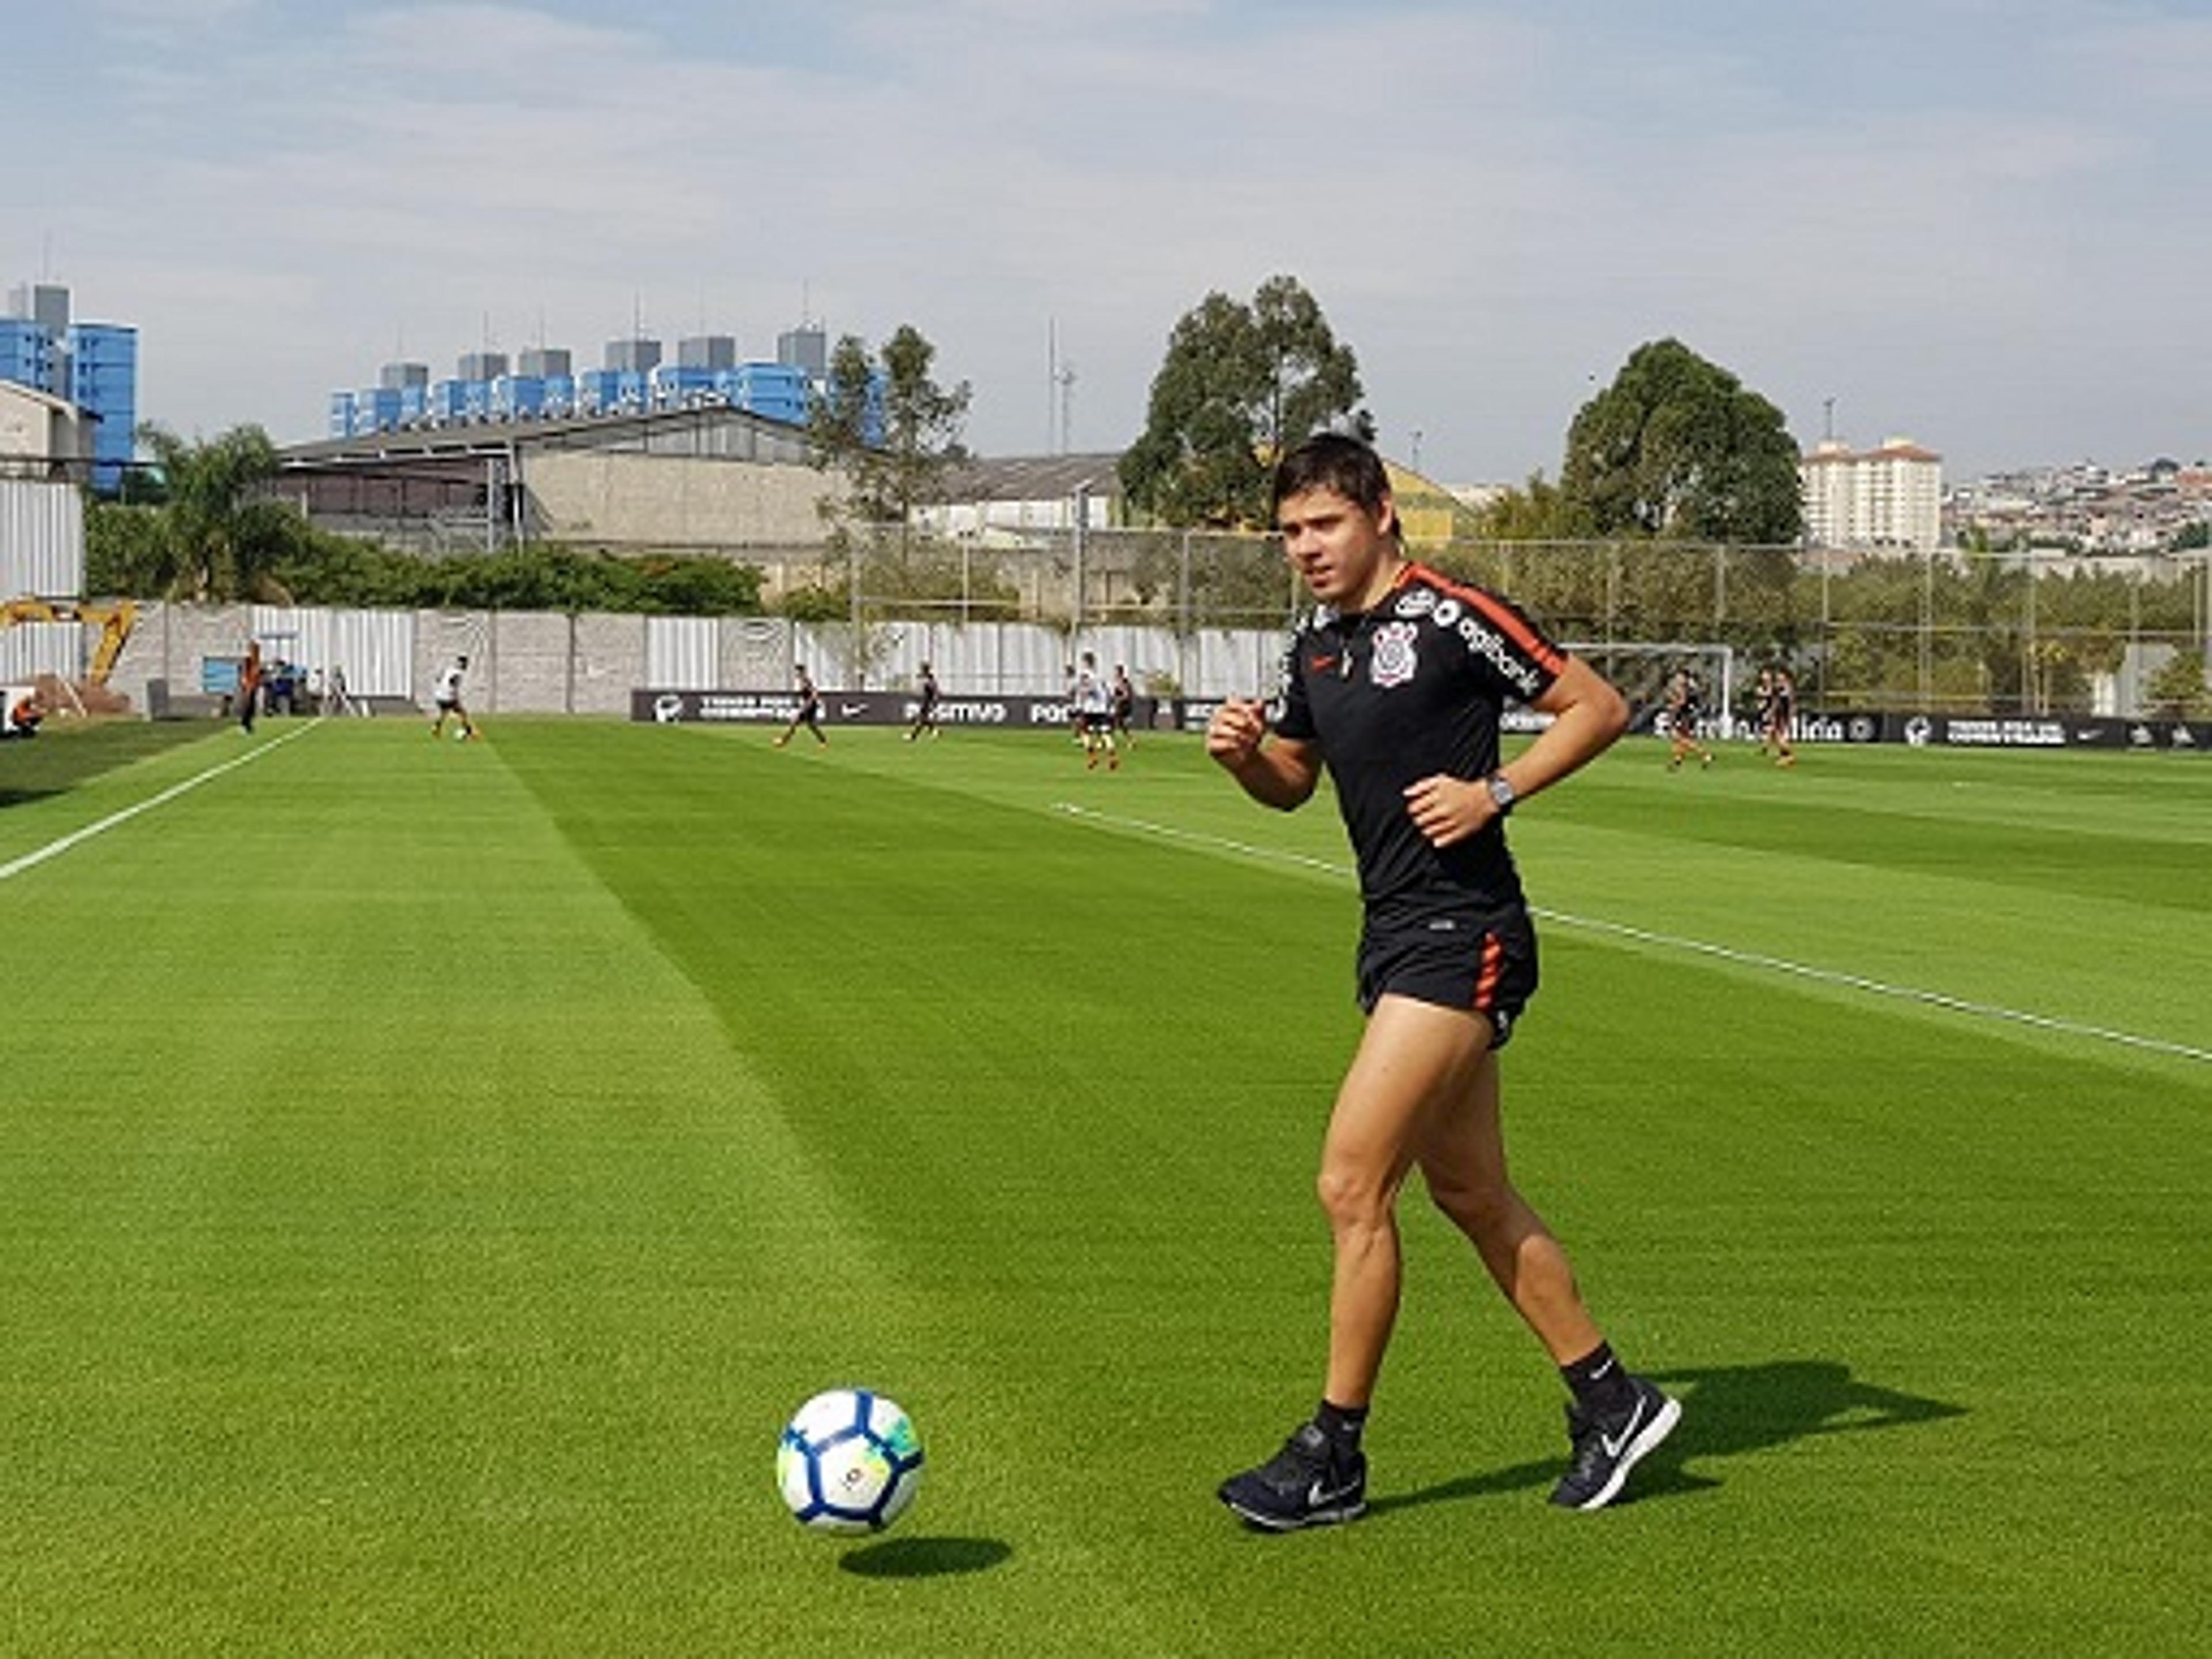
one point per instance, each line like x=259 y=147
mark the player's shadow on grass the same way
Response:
x=1727 y=1410
x=924 y=1557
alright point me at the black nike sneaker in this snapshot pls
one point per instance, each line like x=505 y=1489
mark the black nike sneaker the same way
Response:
x=1607 y=1448
x=1307 y=1484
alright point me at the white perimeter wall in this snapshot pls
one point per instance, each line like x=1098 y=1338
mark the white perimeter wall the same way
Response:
x=538 y=662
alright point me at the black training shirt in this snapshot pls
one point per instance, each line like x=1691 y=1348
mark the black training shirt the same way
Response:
x=1412 y=688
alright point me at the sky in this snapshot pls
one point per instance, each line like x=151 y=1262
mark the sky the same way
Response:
x=1981 y=225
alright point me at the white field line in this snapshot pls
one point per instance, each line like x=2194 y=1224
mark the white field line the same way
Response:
x=30 y=860
x=1700 y=947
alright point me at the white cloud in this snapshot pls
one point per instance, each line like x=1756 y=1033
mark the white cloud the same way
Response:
x=1492 y=204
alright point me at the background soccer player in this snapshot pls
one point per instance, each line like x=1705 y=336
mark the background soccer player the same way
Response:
x=1395 y=684
x=809 y=707
x=1094 y=716
x=1781 y=714
x=449 y=700
x=924 y=718
x=1686 y=706
x=1125 y=705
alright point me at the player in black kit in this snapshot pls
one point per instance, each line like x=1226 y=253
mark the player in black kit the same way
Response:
x=1395 y=683
x=1781 y=713
x=809 y=707
x=1686 y=706
x=925 y=718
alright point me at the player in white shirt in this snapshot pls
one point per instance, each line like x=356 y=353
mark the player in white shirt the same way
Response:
x=1094 y=716
x=449 y=700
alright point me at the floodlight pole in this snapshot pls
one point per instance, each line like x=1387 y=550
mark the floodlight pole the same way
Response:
x=1081 y=499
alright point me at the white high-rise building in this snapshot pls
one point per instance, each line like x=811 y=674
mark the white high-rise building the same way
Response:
x=1892 y=497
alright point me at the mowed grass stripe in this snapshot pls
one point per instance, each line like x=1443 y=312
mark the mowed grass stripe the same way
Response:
x=423 y=1272
x=2132 y=966
x=1058 y=1094
x=1113 y=1192
x=63 y=782
x=67 y=754
x=926 y=986
x=1766 y=967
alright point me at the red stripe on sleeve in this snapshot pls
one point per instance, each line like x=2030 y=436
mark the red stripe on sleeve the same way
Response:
x=1508 y=621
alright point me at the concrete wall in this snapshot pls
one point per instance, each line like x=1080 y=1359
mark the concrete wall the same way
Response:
x=518 y=661
x=531 y=662
x=629 y=502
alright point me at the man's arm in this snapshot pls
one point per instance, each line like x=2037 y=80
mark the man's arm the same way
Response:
x=1587 y=714
x=1280 y=773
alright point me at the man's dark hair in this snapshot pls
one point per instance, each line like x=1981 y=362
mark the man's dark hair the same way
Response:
x=1331 y=460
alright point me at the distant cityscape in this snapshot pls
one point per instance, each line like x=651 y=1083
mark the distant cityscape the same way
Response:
x=2161 y=507
x=1892 y=497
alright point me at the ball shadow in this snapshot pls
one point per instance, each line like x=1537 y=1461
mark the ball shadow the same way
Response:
x=924 y=1557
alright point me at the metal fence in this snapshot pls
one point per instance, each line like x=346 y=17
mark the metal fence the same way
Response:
x=1882 y=631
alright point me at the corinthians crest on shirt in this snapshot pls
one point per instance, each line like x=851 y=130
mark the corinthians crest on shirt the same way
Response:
x=1395 y=660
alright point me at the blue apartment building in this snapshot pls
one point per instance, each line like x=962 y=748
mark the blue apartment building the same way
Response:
x=92 y=365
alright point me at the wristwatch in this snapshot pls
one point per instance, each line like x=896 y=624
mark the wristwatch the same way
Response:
x=1501 y=792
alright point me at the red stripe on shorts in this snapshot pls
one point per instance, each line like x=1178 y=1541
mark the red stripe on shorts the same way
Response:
x=1486 y=982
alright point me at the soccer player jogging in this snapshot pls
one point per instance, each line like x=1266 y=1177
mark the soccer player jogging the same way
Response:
x=1395 y=684
x=449 y=700
x=1094 y=716
x=809 y=707
x=925 y=719
x=1781 y=713
x=1684 y=708
x=1124 y=705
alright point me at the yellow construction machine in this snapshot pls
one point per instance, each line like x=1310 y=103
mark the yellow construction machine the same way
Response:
x=114 y=621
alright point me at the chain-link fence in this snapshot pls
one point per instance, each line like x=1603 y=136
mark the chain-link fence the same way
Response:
x=2011 y=633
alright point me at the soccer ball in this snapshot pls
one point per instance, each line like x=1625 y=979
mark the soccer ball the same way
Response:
x=849 y=1460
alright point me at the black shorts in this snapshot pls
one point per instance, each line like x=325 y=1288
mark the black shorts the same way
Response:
x=1485 y=962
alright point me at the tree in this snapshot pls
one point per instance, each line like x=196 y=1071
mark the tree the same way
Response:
x=1533 y=513
x=888 y=426
x=1239 y=384
x=894 y=432
x=2180 y=690
x=1677 y=446
x=208 y=534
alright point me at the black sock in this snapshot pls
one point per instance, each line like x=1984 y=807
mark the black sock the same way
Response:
x=1341 y=1424
x=1600 y=1381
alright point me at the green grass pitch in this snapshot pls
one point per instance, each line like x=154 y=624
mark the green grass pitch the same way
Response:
x=429 y=1174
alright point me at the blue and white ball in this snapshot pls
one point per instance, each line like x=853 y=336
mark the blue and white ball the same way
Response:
x=849 y=1460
